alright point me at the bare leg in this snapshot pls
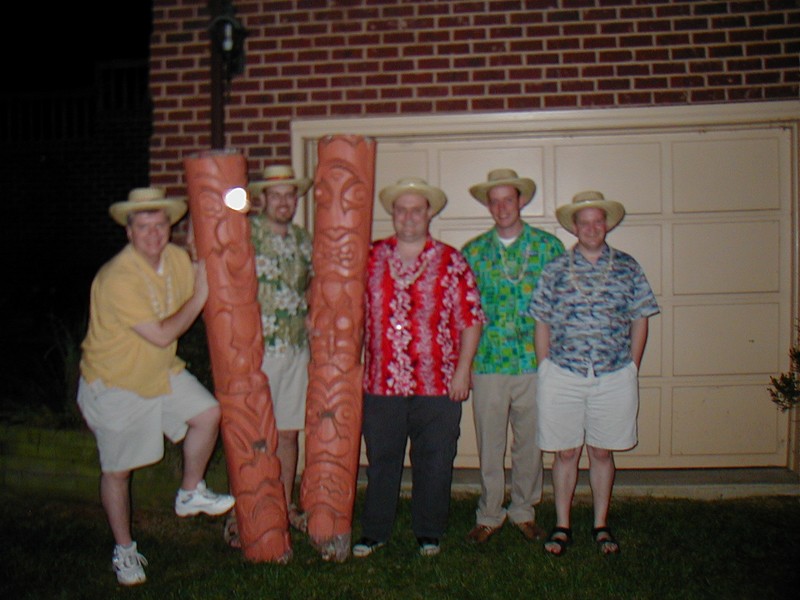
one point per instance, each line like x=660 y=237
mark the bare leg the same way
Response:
x=565 y=478
x=287 y=455
x=115 y=496
x=198 y=445
x=601 y=478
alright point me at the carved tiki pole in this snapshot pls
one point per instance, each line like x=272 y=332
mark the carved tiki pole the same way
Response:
x=343 y=195
x=233 y=326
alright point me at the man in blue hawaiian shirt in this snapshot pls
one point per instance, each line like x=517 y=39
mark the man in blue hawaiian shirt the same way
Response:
x=507 y=261
x=591 y=307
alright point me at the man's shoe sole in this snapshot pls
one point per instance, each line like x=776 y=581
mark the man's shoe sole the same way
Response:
x=360 y=551
x=181 y=512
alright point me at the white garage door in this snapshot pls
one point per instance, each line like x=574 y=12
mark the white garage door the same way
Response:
x=709 y=195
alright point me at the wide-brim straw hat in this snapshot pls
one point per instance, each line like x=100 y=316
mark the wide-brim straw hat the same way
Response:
x=436 y=197
x=148 y=198
x=279 y=175
x=525 y=186
x=614 y=210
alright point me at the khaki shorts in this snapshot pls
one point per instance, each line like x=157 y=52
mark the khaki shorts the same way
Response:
x=130 y=429
x=598 y=410
x=288 y=385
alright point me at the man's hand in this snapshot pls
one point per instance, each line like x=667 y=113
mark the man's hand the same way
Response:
x=460 y=385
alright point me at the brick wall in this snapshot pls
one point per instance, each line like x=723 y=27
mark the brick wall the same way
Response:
x=345 y=58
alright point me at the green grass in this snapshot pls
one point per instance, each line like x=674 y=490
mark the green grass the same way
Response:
x=680 y=549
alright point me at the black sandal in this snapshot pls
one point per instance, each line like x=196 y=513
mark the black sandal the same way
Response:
x=605 y=540
x=562 y=537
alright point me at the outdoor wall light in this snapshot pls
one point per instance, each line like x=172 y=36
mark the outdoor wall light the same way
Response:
x=227 y=35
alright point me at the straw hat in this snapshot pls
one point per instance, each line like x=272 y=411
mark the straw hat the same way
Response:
x=279 y=175
x=525 y=186
x=435 y=196
x=591 y=199
x=149 y=198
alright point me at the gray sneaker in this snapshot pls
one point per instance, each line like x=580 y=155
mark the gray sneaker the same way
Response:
x=202 y=500
x=129 y=565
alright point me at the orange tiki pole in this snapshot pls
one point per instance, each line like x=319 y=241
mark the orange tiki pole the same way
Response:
x=233 y=326
x=344 y=189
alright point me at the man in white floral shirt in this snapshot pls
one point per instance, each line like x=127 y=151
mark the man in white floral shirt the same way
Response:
x=283 y=269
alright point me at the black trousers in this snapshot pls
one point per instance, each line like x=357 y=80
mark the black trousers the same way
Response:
x=432 y=424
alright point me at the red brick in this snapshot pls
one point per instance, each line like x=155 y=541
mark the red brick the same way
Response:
x=451 y=105
x=433 y=63
x=633 y=70
x=346 y=109
x=597 y=99
x=614 y=84
x=488 y=104
x=452 y=76
x=382 y=79
x=416 y=78
x=374 y=108
x=493 y=47
x=361 y=95
x=505 y=89
x=670 y=97
x=706 y=66
x=505 y=60
x=525 y=103
x=421 y=50
x=563 y=101
x=576 y=85
x=397 y=93
x=416 y=107
x=641 y=99
x=433 y=92
x=367 y=66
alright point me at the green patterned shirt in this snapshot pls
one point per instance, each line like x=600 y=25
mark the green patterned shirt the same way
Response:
x=506 y=279
x=283 y=270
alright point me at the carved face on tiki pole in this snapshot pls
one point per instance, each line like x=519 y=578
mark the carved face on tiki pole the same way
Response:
x=233 y=325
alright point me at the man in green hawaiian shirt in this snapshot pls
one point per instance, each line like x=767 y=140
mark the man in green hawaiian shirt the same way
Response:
x=507 y=261
x=283 y=270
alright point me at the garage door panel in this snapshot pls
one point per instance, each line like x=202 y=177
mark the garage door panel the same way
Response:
x=723 y=339
x=724 y=420
x=630 y=173
x=740 y=173
x=727 y=258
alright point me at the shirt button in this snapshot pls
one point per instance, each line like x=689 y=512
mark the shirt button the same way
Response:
x=398 y=327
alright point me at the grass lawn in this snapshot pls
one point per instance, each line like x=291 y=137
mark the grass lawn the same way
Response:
x=683 y=549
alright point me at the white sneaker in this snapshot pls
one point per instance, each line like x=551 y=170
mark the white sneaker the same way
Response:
x=202 y=500
x=128 y=565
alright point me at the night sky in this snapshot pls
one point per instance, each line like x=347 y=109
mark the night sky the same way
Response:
x=58 y=47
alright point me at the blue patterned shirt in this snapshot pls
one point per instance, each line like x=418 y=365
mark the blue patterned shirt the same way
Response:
x=590 y=313
x=506 y=278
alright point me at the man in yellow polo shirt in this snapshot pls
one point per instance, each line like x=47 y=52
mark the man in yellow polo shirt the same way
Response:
x=134 y=390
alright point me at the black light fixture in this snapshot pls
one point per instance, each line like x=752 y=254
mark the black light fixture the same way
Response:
x=228 y=35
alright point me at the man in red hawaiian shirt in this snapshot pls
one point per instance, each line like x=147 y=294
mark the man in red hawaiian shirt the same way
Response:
x=423 y=324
